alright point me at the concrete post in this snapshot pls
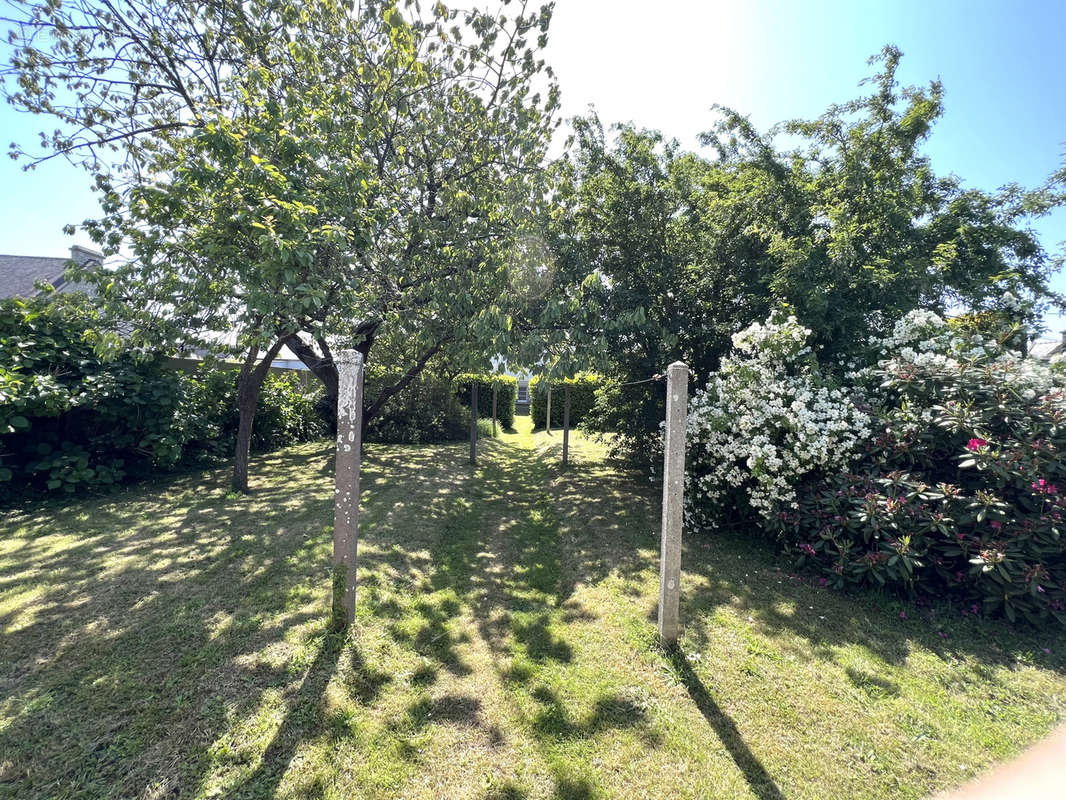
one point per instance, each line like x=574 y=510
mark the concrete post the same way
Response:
x=566 y=424
x=346 y=495
x=548 y=418
x=494 y=409
x=673 y=501
x=473 y=422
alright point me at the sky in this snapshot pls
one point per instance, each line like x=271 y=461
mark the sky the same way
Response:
x=664 y=64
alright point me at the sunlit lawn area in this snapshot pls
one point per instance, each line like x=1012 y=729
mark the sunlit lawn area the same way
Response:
x=171 y=642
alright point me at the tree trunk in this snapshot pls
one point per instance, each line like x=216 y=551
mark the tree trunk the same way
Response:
x=322 y=366
x=249 y=384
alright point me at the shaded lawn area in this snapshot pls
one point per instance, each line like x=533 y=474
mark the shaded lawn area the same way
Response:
x=170 y=642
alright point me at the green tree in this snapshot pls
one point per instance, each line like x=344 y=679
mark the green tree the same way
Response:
x=850 y=228
x=315 y=174
x=875 y=232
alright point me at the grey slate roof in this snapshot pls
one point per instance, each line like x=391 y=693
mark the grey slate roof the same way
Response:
x=18 y=274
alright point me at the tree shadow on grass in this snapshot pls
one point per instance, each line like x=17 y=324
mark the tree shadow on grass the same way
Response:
x=762 y=785
x=303 y=716
x=132 y=650
x=611 y=711
x=752 y=578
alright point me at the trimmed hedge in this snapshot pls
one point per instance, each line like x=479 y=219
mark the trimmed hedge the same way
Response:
x=506 y=395
x=582 y=397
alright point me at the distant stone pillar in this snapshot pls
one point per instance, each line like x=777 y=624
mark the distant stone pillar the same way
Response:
x=473 y=422
x=548 y=418
x=349 y=365
x=566 y=424
x=673 y=501
x=494 y=409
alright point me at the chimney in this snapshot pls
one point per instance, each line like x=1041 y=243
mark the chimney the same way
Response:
x=82 y=255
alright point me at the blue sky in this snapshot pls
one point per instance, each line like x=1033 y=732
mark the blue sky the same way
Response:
x=664 y=64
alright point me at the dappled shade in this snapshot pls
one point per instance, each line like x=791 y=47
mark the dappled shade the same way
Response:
x=172 y=640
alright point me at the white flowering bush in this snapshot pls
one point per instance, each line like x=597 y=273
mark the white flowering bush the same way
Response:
x=924 y=349
x=939 y=468
x=766 y=419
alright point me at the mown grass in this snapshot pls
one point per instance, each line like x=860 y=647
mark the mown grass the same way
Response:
x=172 y=641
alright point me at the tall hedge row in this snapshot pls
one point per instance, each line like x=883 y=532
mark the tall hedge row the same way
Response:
x=582 y=397
x=506 y=395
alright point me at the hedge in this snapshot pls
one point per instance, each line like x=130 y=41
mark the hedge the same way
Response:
x=506 y=395
x=582 y=397
x=70 y=418
x=425 y=412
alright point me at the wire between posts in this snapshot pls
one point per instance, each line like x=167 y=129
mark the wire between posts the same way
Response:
x=646 y=380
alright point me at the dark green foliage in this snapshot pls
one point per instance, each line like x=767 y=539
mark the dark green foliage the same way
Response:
x=583 y=390
x=426 y=411
x=506 y=395
x=287 y=412
x=70 y=418
x=969 y=504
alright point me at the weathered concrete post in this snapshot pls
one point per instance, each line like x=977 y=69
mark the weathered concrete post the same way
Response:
x=494 y=409
x=473 y=422
x=548 y=418
x=673 y=501
x=346 y=496
x=566 y=424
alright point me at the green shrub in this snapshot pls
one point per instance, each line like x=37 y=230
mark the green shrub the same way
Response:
x=506 y=395
x=582 y=398
x=426 y=411
x=287 y=412
x=70 y=418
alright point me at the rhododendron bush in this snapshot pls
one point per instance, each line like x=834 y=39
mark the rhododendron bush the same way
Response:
x=936 y=470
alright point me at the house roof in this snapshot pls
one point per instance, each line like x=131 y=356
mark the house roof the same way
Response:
x=19 y=274
x=1046 y=348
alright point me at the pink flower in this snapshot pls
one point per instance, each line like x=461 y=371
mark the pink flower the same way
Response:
x=975 y=444
x=995 y=525
x=902 y=614
x=806 y=548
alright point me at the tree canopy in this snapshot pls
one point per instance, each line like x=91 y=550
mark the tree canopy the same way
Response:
x=320 y=174
x=849 y=228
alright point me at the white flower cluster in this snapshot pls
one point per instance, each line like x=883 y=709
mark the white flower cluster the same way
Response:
x=766 y=419
x=924 y=344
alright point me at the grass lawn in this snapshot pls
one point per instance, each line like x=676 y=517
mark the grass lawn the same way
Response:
x=170 y=641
